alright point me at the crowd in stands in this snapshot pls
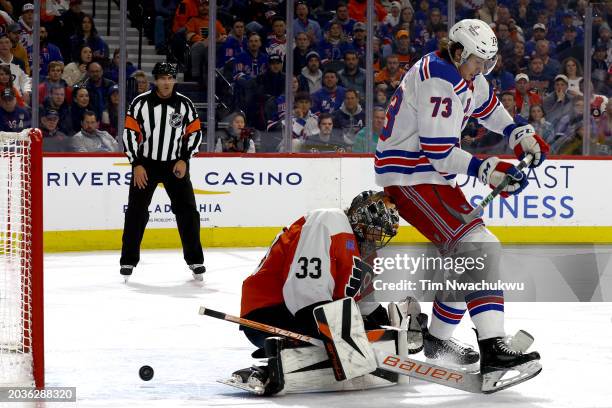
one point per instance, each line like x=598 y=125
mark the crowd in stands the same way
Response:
x=538 y=76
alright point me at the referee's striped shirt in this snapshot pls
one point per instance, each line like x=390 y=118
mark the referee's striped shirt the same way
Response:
x=161 y=129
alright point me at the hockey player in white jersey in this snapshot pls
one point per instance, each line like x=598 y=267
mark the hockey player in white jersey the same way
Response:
x=417 y=159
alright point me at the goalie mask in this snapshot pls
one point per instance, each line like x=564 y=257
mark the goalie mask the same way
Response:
x=373 y=218
x=478 y=39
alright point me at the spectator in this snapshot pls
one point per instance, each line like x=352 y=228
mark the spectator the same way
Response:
x=539 y=34
x=56 y=68
x=542 y=127
x=48 y=52
x=6 y=7
x=599 y=66
x=559 y=103
x=555 y=13
x=277 y=40
x=333 y=47
x=524 y=97
x=80 y=104
x=519 y=62
x=569 y=44
x=406 y=22
x=252 y=62
x=26 y=22
x=551 y=65
x=572 y=69
x=389 y=77
x=567 y=22
x=488 y=11
x=20 y=79
x=357 y=10
x=112 y=72
x=326 y=139
x=507 y=100
x=539 y=80
x=393 y=18
x=311 y=76
x=401 y=47
x=70 y=20
x=377 y=60
x=6 y=81
x=365 y=144
x=57 y=101
x=275 y=108
x=87 y=34
x=272 y=82
x=570 y=130
x=303 y=24
x=380 y=97
x=92 y=140
x=342 y=17
x=76 y=71
x=234 y=44
x=54 y=140
x=350 y=118
x=110 y=116
x=164 y=10
x=605 y=38
x=184 y=11
x=499 y=78
x=330 y=97
x=304 y=124
x=12 y=117
x=434 y=19
x=433 y=43
x=301 y=50
x=351 y=76
x=505 y=44
x=237 y=138
x=197 y=36
x=142 y=82
x=98 y=88
x=13 y=32
x=359 y=42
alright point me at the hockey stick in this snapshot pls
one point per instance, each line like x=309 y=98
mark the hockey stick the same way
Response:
x=461 y=380
x=478 y=211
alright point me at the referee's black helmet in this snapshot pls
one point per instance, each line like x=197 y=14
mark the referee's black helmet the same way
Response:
x=164 y=68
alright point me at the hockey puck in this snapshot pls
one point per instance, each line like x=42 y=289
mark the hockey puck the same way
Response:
x=145 y=373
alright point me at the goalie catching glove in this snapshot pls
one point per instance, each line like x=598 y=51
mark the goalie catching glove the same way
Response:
x=524 y=140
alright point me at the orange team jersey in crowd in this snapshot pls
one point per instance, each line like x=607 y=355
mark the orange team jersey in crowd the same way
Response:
x=385 y=76
x=184 y=11
x=310 y=261
x=199 y=26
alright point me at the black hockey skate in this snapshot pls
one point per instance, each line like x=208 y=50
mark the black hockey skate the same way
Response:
x=499 y=361
x=197 y=271
x=126 y=272
x=496 y=355
x=450 y=351
x=262 y=380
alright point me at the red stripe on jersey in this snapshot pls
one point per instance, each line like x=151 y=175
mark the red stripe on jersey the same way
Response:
x=488 y=109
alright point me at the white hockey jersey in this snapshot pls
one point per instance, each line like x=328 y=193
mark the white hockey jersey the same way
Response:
x=313 y=260
x=420 y=142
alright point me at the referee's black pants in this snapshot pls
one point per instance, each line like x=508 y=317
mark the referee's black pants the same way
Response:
x=183 y=204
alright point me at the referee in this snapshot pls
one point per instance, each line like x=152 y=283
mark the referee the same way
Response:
x=162 y=132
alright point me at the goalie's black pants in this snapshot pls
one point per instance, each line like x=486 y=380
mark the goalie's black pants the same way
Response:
x=183 y=205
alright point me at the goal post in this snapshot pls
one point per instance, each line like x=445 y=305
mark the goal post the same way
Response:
x=21 y=259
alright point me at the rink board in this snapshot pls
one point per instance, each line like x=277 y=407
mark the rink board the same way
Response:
x=244 y=201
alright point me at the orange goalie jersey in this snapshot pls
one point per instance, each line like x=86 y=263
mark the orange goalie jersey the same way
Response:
x=311 y=261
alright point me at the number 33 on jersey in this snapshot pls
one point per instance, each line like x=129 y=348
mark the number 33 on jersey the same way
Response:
x=311 y=261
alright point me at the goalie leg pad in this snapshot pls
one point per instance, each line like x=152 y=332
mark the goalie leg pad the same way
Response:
x=308 y=369
x=341 y=326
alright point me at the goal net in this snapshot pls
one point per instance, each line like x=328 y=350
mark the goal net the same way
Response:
x=21 y=320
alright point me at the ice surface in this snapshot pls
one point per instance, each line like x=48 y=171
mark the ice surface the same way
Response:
x=99 y=332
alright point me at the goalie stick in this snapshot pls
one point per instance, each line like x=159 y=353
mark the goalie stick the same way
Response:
x=465 y=381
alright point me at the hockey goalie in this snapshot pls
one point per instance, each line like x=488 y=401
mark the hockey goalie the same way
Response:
x=308 y=283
